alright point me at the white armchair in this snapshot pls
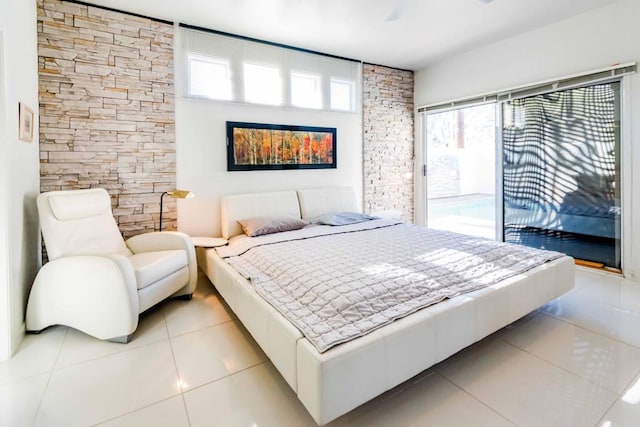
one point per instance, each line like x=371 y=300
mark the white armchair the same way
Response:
x=95 y=281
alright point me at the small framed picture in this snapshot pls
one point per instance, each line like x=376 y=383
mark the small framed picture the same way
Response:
x=25 y=119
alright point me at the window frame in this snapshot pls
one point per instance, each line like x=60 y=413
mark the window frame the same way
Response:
x=263 y=65
x=318 y=102
x=210 y=60
x=352 y=93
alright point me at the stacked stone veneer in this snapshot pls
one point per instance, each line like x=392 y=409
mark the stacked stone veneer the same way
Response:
x=107 y=109
x=388 y=129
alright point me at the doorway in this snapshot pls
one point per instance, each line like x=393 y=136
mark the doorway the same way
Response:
x=562 y=172
x=461 y=170
x=542 y=170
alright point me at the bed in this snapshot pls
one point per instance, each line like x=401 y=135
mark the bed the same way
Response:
x=336 y=379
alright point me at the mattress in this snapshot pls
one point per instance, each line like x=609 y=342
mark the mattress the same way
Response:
x=337 y=283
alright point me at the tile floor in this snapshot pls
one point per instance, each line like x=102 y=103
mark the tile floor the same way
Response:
x=574 y=362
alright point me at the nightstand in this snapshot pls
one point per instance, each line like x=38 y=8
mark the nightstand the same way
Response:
x=202 y=244
x=208 y=242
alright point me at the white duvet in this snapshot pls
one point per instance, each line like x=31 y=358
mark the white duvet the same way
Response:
x=338 y=283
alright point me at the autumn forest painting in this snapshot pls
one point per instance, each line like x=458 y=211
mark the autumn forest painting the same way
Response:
x=267 y=146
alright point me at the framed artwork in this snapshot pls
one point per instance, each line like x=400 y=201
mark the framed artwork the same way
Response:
x=25 y=123
x=259 y=146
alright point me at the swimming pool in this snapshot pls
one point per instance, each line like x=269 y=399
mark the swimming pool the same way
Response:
x=482 y=209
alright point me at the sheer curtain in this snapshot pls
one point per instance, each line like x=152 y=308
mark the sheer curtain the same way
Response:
x=232 y=68
x=561 y=172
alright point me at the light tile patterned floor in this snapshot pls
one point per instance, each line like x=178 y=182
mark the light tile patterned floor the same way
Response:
x=574 y=362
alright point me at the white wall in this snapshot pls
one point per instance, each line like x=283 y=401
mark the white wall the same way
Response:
x=19 y=238
x=5 y=336
x=592 y=40
x=202 y=157
x=201 y=152
x=595 y=39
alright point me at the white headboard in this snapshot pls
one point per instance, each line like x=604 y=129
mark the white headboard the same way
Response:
x=319 y=201
x=242 y=206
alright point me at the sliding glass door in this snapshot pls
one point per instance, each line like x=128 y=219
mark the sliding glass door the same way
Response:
x=461 y=170
x=558 y=172
x=561 y=169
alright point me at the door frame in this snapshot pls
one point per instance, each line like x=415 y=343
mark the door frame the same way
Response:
x=421 y=208
x=5 y=307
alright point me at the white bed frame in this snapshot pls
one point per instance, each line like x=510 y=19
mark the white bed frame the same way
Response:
x=332 y=383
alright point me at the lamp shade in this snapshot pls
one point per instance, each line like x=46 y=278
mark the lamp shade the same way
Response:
x=180 y=194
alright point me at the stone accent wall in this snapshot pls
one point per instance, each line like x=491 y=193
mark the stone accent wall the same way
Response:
x=388 y=130
x=107 y=109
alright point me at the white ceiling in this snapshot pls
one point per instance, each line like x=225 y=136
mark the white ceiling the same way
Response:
x=424 y=32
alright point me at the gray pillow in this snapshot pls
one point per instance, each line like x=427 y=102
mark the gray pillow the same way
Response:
x=267 y=225
x=342 y=218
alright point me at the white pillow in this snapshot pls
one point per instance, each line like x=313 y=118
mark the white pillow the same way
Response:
x=342 y=218
x=267 y=225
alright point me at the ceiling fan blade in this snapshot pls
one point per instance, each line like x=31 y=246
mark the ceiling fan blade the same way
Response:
x=401 y=7
x=398 y=10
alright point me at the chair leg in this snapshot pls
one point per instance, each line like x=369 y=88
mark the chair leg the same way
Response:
x=121 y=340
x=186 y=297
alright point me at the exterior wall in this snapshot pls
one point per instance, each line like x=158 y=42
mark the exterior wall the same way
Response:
x=107 y=109
x=388 y=131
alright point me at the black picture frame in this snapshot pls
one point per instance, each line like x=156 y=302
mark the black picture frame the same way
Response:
x=262 y=146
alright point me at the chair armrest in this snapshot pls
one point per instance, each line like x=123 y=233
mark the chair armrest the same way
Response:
x=167 y=240
x=159 y=241
x=95 y=294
